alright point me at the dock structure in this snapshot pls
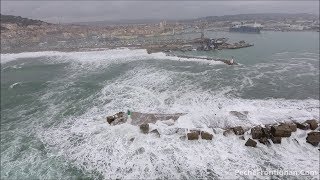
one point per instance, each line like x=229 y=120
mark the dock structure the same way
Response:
x=226 y=61
x=198 y=44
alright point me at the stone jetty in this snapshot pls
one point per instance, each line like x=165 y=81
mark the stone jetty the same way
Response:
x=141 y=118
x=267 y=134
x=226 y=61
x=198 y=44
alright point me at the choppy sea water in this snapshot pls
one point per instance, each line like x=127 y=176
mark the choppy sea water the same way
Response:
x=54 y=104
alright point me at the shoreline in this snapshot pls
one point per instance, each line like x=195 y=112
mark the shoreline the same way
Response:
x=33 y=48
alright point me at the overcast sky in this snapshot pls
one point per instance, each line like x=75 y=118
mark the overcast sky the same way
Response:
x=80 y=11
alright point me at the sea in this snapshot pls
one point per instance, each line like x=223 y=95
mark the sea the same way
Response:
x=54 y=107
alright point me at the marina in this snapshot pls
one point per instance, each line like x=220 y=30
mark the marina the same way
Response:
x=245 y=28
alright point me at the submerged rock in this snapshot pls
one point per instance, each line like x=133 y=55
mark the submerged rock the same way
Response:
x=181 y=131
x=156 y=132
x=228 y=132
x=169 y=122
x=256 y=132
x=266 y=131
x=169 y=131
x=206 y=135
x=313 y=138
x=242 y=138
x=238 y=130
x=303 y=126
x=140 y=118
x=144 y=128
x=120 y=114
x=312 y=123
x=183 y=138
x=292 y=126
x=276 y=140
x=251 y=143
x=140 y=150
x=264 y=141
x=240 y=114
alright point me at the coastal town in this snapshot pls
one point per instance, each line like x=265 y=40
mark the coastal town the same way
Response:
x=22 y=34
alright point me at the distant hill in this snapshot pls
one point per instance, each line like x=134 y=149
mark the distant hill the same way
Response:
x=20 y=21
x=237 y=17
x=120 y=22
x=262 y=16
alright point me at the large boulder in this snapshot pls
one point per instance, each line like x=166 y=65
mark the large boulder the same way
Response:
x=118 y=121
x=193 y=135
x=144 y=128
x=251 y=143
x=238 y=130
x=206 y=135
x=276 y=140
x=303 y=126
x=120 y=114
x=292 y=126
x=117 y=118
x=266 y=131
x=140 y=118
x=312 y=123
x=281 y=130
x=228 y=132
x=313 y=138
x=256 y=132
x=110 y=119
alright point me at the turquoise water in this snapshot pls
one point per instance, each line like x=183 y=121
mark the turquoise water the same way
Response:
x=53 y=106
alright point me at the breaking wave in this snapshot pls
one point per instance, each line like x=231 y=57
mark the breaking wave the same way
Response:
x=86 y=141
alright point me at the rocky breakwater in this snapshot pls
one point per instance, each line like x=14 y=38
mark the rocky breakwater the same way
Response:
x=198 y=44
x=276 y=132
x=144 y=119
x=226 y=61
x=237 y=45
x=165 y=48
x=138 y=118
x=267 y=134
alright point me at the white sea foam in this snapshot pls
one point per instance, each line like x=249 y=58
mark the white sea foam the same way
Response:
x=105 y=56
x=89 y=143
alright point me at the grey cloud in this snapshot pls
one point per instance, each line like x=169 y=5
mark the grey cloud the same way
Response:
x=79 y=11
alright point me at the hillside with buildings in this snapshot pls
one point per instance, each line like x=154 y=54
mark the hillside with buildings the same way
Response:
x=20 y=21
x=21 y=34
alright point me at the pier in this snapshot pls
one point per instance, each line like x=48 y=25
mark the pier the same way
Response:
x=226 y=61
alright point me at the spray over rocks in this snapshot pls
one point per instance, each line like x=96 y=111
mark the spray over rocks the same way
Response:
x=263 y=133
